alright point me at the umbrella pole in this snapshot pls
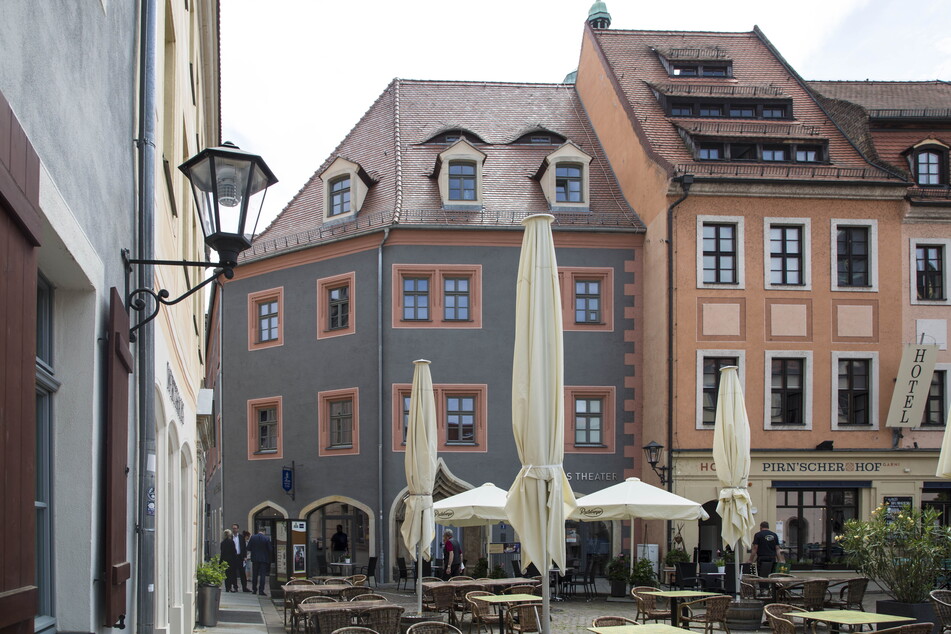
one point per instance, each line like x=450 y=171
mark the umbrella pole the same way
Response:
x=737 y=567
x=546 y=581
x=419 y=578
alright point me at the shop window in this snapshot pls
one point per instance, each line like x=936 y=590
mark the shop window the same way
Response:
x=265 y=428
x=812 y=519
x=937 y=496
x=265 y=319
x=336 y=313
x=338 y=419
x=437 y=296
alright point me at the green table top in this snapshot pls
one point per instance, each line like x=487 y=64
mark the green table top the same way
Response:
x=509 y=598
x=646 y=628
x=850 y=617
x=679 y=594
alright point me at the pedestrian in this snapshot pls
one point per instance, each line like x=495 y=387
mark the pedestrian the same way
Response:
x=229 y=555
x=259 y=546
x=340 y=544
x=451 y=555
x=765 y=551
x=241 y=545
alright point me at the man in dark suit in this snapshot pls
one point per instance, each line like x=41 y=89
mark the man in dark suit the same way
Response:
x=242 y=548
x=259 y=546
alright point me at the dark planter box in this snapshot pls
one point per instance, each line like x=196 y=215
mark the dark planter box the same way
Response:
x=618 y=588
x=921 y=612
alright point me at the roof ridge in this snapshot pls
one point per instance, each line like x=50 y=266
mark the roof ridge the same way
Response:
x=476 y=82
x=878 y=81
x=673 y=32
x=398 y=153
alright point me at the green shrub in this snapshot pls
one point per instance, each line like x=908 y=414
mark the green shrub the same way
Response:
x=481 y=569
x=643 y=573
x=211 y=572
x=675 y=556
x=618 y=569
x=498 y=572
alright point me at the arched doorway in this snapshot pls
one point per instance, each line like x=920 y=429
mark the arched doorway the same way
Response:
x=323 y=523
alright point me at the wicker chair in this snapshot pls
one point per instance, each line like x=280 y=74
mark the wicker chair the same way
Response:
x=358 y=580
x=430 y=579
x=911 y=628
x=810 y=594
x=522 y=589
x=432 y=627
x=461 y=604
x=441 y=599
x=774 y=611
x=330 y=620
x=462 y=578
x=369 y=596
x=353 y=629
x=385 y=619
x=942 y=608
x=523 y=617
x=714 y=612
x=851 y=594
x=482 y=613
x=354 y=591
x=647 y=605
x=336 y=581
x=608 y=621
x=780 y=625
x=299 y=616
x=288 y=604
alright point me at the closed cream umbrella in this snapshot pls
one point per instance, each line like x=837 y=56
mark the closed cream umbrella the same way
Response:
x=418 y=528
x=537 y=499
x=731 y=454
x=944 y=458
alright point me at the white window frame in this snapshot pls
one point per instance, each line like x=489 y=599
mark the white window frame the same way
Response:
x=741 y=364
x=913 y=243
x=806 y=356
x=806 y=225
x=874 y=387
x=872 y=225
x=740 y=223
x=947 y=396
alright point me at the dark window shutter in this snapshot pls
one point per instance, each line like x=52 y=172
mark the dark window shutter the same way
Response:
x=118 y=367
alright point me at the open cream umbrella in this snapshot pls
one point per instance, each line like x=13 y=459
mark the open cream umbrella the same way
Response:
x=944 y=458
x=420 y=463
x=731 y=454
x=537 y=499
x=636 y=499
x=475 y=507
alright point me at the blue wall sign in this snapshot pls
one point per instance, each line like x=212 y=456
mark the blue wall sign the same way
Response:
x=287 y=479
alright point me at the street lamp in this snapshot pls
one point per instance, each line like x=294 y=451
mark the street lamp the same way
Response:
x=654 y=451
x=229 y=186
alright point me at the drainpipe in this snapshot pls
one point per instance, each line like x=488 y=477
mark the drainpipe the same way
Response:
x=381 y=558
x=145 y=495
x=685 y=182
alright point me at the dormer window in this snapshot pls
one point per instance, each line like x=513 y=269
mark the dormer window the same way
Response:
x=462 y=180
x=745 y=111
x=700 y=69
x=774 y=153
x=928 y=168
x=564 y=178
x=928 y=161
x=711 y=110
x=345 y=186
x=340 y=196
x=458 y=173
x=774 y=112
x=686 y=70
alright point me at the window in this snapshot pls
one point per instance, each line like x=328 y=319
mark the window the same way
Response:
x=265 y=309
x=744 y=111
x=685 y=70
x=568 y=183
x=928 y=168
x=341 y=424
x=265 y=429
x=416 y=298
x=587 y=302
x=437 y=296
x=774 y=153
x=774 y=112
x=46 y=387
x=540 y=138
x=589 y=418
x=681 y=110
x=785 y=255
x=813 y=517
x=335 y=310
x=719 y=253
x=808 y=153
x=710 y=151
x=929 y=267
x=456 y=299
x=937 y=496
x=853 y=391
x=786 y=407
x=852 y=256
x=711 y=110
x=711 y=386
x=697 y=68
x=714 y=71
x=935 y=414
x=339 y=196
x=338 y=422
x=460 y=419
x=586 y=298
x=743 y=151
x=462 y=180
x=460 y=416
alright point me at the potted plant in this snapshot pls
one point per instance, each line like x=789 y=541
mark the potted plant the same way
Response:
x=209 y=576
x=618 y=574
x=481 y=569
x=498 y=572
x=679 y=560
x=903 y=552
x=721 y=564
x=643 y=573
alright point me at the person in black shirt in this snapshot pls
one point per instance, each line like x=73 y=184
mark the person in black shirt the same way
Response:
x=765 y=551
x=339 y=544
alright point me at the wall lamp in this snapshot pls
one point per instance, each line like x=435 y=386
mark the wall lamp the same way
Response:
x=654 y=451
x=226 y=182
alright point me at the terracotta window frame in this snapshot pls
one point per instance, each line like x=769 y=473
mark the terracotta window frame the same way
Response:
x=568 y=276
x=324 y=287
x=442 y=392
x=608 y=396
x=254 y=300
x=324 y=401
x=255 y=406
x=437 y=274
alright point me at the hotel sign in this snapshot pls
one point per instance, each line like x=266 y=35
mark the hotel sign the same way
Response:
x=815 y=466
x=912 y=385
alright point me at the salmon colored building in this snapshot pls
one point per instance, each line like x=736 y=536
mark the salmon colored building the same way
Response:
x=773 y=244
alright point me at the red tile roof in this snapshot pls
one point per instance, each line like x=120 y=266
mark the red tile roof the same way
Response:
x=390 y=143
x=758 y=72
x=881 y=96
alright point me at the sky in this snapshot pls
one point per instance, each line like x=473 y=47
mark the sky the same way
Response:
x=297 y=75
